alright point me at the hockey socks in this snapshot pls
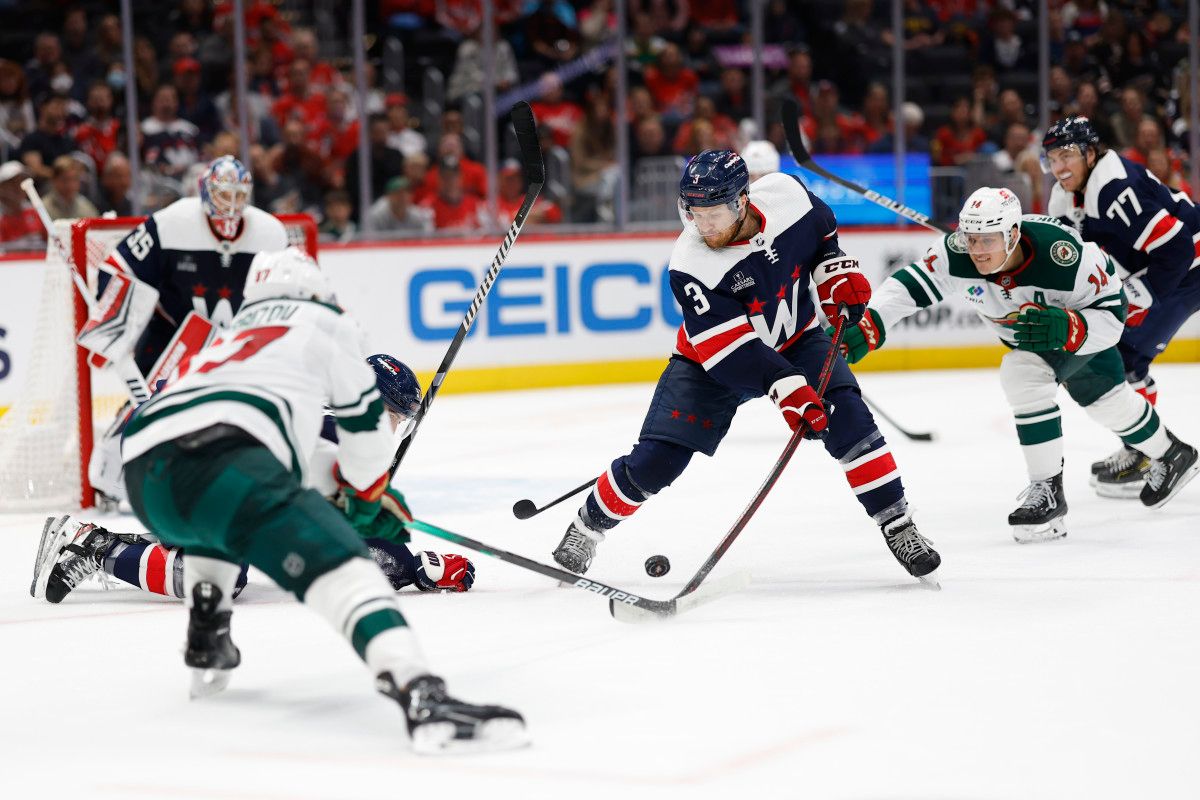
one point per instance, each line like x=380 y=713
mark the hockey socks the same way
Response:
x=153 y=568
x=873 y=475
x=614 y=498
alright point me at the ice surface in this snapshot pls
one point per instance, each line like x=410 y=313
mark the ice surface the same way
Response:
x=1060 y=670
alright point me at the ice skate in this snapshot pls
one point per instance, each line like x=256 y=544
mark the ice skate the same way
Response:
x=577 y=548
x=912 y=550
x=1122 y=474
x=69 y=553
x=210 y=651
x=438 y=723
x=1169 y=474
x=1042 y=515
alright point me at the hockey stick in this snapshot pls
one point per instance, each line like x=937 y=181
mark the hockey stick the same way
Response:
x=125 y=367
x=614 y=595
x=535 y=175
x=923 y=436
x=790 y=112
x=639 y=613
x=524 y=509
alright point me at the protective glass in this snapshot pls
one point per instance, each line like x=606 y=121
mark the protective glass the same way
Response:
x=709 y=220
x=980 y=243
x=1060 y=156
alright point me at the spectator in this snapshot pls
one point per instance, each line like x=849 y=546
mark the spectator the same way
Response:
x=98 y=134
x=300 y=101
x=876 y=114
x=701 y=137
x=469 y=73
x=1077 y=60
x=985 y=96
x=1062 y=90
x=555 y=112
x=64 y=201
x=47 y=53
x=698 y=54
x=190 y=15
x=1002 y=47
x=723 y=129
x=77 y=52
x=1086 y=17
x=16 y=112
x=782 y=25
x=263 y=80
x=396 y=213
x=640 y=105
x=720 y=16
x=734 y=97
x=1160 y=164
x=956 y=142
x=145 y=70
x=649 y=141
x=20 y=228
x=453 y=208
x=300 y=164
x=195 y=105
x=276 y=192
x=336 y=135
x=473 y=175
x=921 y=27
x=597 y=23
x=1087 y=104
x=1017 y=159
x=1011 y=112
x=260 y=124
x=672 y=85
x=1138 y=63
x=416 y=169
x=116 y=179
x=386 y=163
x=551 y=33
x=181 y=45
x=48 y=141
x=594 y=161
x=914 y=140
x=321 y=75
x=169 y=144
x=797 y=84
x=1149 y=137
x=837 y=132
x=338 y=226
x=108 y=39
x=1124 y=123
x=645 y=45
x=668 y=18
x=401 y=134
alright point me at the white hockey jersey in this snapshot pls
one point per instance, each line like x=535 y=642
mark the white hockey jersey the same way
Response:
x=272 y=373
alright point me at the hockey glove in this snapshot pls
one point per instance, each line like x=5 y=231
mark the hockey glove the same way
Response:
x=800 y=405
x=1140 y=300
x=444 y=572
x=1042 y=329
x=366 y=512
x=840 y=280
x=862 y=338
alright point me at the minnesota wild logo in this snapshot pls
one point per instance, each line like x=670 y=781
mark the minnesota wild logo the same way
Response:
x=1064 y=253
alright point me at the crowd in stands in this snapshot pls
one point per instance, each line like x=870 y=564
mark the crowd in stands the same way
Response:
x=972 y=90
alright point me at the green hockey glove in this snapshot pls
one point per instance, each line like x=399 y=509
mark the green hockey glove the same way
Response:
x=1042 y=329
x=862 y=338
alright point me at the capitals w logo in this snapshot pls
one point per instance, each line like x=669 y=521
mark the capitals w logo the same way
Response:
x=783 y=327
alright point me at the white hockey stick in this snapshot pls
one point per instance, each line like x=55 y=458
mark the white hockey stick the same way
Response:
x=126 y=367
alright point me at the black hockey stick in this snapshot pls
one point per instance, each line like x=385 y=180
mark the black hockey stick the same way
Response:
x=535 y=176
x=923 y=436
x=638 y=612
x=524 y=509
x=790 y=112
x=614 y=595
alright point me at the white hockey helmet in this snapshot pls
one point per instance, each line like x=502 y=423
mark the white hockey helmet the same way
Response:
x=990 y=210
x=761 y=157
x=287 y=273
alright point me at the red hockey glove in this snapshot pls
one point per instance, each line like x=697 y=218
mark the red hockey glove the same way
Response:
x=1140 y=300
x=800 y=405
x=840 y=280
x=445 y=572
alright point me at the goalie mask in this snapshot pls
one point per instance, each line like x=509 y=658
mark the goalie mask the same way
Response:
x=985 y=224
x=709 y=191
x=400 y=390
x=225 y=189
x=289 y=273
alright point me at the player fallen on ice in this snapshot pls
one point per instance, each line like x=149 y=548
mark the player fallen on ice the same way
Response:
x=71 y=551
x=215 y=464
x=1056 y=301
x=741 y=270
x=192 y=255
x=1152 y=235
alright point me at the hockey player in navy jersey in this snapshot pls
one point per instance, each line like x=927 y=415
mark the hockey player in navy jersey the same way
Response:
x=741 y=271
x=192 y=255
x=1153 y=235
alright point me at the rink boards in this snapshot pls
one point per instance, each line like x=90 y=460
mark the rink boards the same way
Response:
x=563 y=311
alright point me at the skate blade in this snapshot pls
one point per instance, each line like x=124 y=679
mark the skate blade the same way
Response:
x=207 y=682
x=48 y=550
x=1183 y=481
x=1031 y=534
x=931 y=580
x=1118 y=491
x=437 y=738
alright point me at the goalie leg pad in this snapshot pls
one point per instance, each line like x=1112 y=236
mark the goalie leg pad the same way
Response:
x=118 y=318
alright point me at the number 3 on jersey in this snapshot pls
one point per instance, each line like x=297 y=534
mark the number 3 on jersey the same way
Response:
x=694 y=291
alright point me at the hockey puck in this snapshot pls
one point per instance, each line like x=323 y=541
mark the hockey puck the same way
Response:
x=657 y=566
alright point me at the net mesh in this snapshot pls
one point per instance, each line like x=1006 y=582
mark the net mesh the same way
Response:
x=42 y=448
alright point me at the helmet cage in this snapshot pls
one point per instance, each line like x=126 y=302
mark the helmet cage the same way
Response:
x=225 y=189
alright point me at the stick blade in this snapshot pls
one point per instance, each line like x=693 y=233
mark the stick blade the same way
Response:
x=660 y=610
x=790 y=113
x=524 y=509
x=527 y=139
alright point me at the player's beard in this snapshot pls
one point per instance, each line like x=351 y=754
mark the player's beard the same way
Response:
x=726 y=236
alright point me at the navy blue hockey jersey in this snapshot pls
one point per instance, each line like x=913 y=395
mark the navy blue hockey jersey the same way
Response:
x=749 y=301
x=1138 y=221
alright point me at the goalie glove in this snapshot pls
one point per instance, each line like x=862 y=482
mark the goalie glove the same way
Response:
x=444 y=572
x=840 y=280
x=117 y=319
x=800 y=405
x=1140 y=300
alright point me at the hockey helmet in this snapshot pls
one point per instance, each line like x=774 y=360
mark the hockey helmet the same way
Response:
x=761 y=157
x=713 y=179
x=987 y=219
x=1074 y=132
x=399 y=388
x=225 y=188
x=289 y=273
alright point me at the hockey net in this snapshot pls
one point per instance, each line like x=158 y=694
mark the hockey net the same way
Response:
x=46 y=436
